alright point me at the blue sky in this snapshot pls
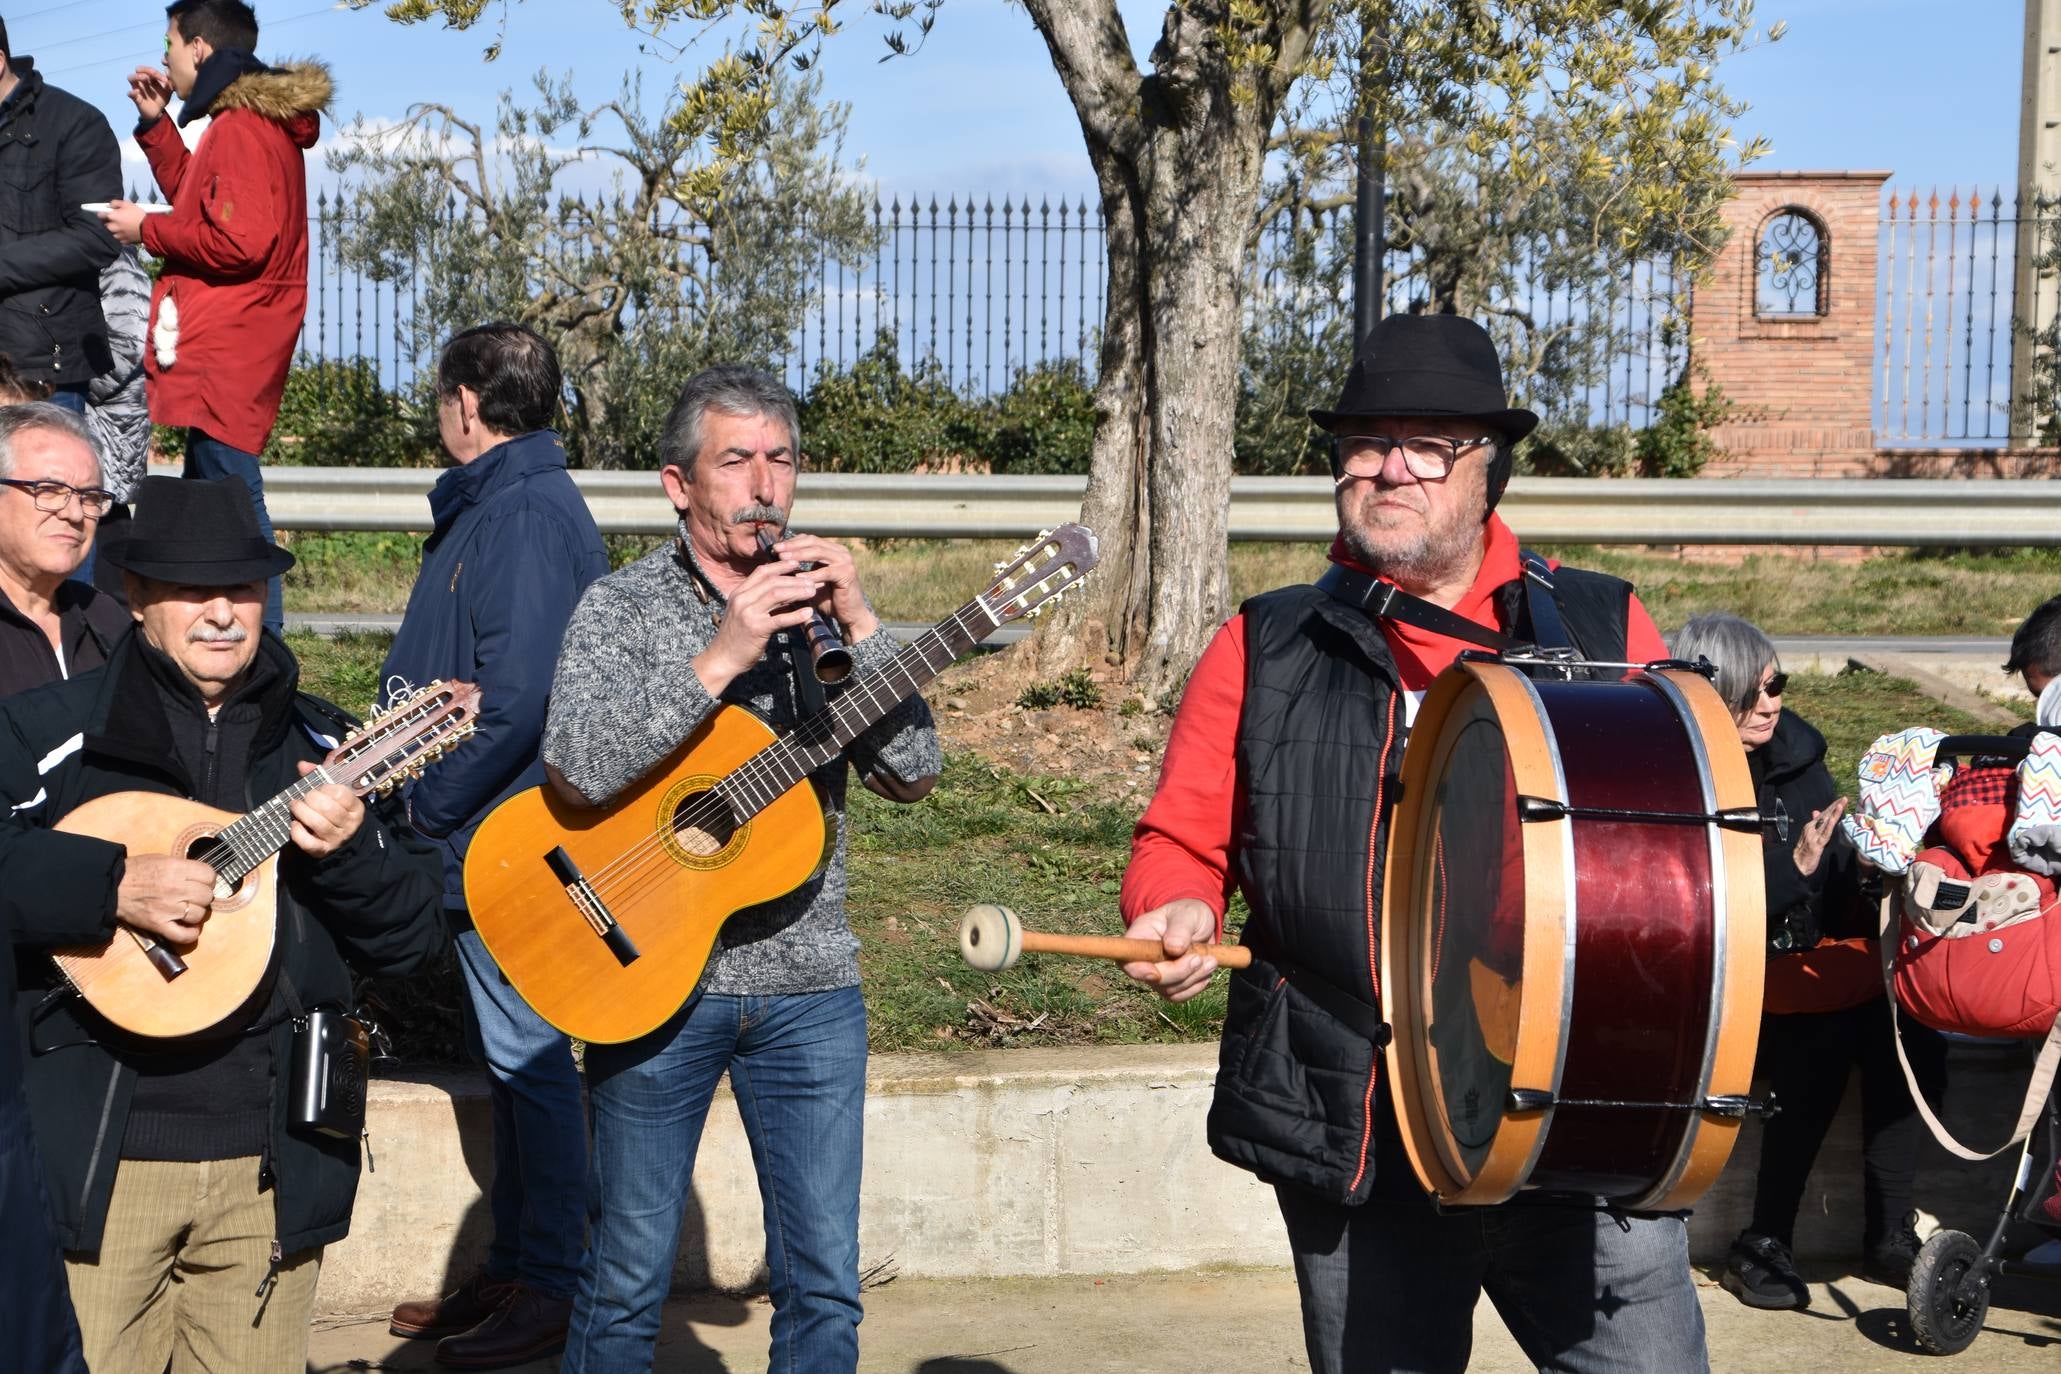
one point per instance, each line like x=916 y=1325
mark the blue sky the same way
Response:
x=1886 y=84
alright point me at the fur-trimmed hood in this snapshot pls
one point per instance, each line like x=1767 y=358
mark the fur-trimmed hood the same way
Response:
x=295 y=95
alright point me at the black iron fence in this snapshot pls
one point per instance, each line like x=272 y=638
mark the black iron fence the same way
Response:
x=1966 y=299
x=978 y=291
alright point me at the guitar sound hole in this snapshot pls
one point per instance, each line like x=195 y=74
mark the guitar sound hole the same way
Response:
x=703 y=824
x=200 y=851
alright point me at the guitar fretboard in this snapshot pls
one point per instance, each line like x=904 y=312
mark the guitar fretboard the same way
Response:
x=816 y=741
x=259 y=834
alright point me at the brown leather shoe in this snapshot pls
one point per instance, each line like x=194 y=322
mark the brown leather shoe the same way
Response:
x=527 y=1326
x=461 y=1309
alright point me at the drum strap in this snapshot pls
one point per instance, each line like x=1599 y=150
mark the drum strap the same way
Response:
x=1386 y=601
x=1548 y=630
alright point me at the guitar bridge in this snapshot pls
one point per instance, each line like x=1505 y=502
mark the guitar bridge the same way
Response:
x=592 y=909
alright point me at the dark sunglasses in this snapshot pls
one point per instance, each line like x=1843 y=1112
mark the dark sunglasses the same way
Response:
x=1775 y=687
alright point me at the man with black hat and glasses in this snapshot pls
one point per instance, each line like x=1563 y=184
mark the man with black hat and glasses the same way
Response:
x=192 y=1214
x=1281 y=763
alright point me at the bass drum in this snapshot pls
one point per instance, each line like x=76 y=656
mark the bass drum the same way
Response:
x=1572 y=937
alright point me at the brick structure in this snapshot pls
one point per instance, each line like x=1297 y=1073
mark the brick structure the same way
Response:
x=1802 y=379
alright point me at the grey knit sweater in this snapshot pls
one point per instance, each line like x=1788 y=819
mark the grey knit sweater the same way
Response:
x=625 y=697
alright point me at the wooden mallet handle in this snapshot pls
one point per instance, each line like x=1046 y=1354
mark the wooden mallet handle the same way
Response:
x=991 y=938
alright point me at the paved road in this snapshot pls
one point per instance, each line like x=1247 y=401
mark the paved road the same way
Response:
x=1149 y=1324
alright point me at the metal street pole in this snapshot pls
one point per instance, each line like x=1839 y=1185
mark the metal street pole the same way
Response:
x=2034 y=301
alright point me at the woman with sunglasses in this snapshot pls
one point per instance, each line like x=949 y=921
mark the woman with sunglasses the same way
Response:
x=1825 y=1011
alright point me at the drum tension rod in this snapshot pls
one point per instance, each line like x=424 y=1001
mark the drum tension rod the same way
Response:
x=1727 y=1104
x=1546 y=809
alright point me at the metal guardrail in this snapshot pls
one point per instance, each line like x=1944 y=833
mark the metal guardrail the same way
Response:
x=1547 y=510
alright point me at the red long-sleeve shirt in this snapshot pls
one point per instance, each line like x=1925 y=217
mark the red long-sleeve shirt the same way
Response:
x=1182 y=844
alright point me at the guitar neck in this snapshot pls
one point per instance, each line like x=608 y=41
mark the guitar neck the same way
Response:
x=259 y=834
x=825 y=735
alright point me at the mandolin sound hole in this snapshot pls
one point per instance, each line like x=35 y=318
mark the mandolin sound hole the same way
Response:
x=200 y=850
x=703 y=824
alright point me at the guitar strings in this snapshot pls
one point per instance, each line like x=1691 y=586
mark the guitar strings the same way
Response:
x=649 y=859
x=647 y=862
x=227 y=848
x=811 y=734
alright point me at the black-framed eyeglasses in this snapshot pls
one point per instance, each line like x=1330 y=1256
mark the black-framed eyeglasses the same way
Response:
x=1774 y=687
x=1429 y=457
x=53 y=496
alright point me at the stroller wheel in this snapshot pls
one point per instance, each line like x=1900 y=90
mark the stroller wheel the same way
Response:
x=1948 y=1293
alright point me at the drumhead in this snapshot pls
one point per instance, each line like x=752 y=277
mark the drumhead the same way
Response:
x=1482 y=928
x=1455 y=975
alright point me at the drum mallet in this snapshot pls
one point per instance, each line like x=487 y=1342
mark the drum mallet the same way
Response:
x=991 y=938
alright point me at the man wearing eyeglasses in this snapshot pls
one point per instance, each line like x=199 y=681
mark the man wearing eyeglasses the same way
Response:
x=51 y=625
x=1279 y=774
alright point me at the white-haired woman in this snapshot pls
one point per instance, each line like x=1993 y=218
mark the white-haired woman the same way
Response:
x=1825 y=1009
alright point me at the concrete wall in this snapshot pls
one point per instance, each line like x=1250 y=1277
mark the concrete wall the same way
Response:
x=1017 y=1162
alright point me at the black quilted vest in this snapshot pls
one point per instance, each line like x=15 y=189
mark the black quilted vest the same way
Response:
x=1319 y=754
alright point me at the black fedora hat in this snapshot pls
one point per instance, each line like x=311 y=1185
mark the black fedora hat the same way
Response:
x=1428 y=365
x=198 y=534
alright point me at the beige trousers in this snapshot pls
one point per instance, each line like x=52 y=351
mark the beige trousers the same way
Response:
x=186 y=1250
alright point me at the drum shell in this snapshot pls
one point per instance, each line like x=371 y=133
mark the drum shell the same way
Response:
x=1621 y=961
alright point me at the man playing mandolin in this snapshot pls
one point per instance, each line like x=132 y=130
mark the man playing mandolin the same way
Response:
x=651 y=653
x=192 y=1212
x=1279 y=779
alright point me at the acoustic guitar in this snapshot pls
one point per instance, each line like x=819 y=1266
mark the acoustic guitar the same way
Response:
x=603 y=918
x=144 y=987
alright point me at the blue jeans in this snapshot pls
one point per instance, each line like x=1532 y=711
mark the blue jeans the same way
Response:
x=1391 y=1288
x=72 y=397
x=798 y=1067
x=209 y=459
x=538 y=1196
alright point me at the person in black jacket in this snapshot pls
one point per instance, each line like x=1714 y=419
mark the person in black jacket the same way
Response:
x=50 y=627
x=1825 y=1007
x=193 y=1215
x=57 y=155
x=512 y=548
x=1279 y=781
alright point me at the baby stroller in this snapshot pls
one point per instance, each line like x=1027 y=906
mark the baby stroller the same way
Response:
x=1971 y=943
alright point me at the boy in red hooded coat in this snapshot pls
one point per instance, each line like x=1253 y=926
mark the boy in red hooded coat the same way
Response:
x=226 y=315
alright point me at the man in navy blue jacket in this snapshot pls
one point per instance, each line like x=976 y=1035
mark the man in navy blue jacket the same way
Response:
x=512 y=549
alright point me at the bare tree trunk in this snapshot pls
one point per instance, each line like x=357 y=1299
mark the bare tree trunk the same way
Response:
x=1177 y=157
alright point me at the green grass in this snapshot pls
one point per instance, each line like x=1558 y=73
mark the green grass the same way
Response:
x=1853 y=710
x=985 y=835
x=344 y=670
x=1906 y=592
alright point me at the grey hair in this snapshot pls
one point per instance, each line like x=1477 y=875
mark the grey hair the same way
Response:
x=728 y=389
x=45 y=415
x=1737 y=648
